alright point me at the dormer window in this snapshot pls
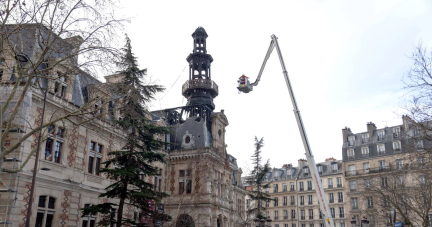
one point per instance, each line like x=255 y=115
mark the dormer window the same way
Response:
x=381 y=135
x=60 y=85
x=334 y=167
x=306 y=171
x=351 y=140
x=396 y=132
x=320 y=169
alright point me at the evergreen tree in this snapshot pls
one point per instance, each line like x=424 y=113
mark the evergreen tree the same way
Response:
x=256 y=179
x=133 y=163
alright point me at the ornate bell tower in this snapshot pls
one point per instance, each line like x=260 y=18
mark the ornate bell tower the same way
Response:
x=200 y=89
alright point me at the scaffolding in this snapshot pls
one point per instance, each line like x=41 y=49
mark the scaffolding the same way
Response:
x=9 y=175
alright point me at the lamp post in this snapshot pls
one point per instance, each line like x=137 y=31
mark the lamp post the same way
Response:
x=24 y=58
x=353 y=222
x=364 y=222
x=262 y=222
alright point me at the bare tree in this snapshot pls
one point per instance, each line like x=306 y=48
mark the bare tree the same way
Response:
x=44 y=45
x=405 y=186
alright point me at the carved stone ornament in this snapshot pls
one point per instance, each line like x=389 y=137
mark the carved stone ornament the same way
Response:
x=188 y=140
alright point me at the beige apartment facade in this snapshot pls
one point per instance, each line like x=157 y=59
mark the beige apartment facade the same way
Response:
x=386 y=169
x=296 y=202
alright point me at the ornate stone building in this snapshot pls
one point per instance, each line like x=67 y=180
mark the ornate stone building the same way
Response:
x=203 y=180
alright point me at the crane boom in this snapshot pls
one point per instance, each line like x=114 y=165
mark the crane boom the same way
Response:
x=308 y=152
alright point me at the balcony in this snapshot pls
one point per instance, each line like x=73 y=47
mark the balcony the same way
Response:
x=339 y=185
x=310 y=217
x=341 y=215
x=330 y=186
x=292 y=203
x=301 y=189
x=285 y=217
x=340 y=200
x=351 y=157
x=309 y=188
x=365 y=140
x=208 y=85
x=367 y=171
x=276 y=218
x=380 y=138
x=353 y=189
x=331 y=201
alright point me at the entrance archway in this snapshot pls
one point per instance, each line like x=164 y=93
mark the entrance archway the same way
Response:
x=185 y=220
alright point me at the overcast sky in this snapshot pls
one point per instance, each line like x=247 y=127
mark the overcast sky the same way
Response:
x=345 y=59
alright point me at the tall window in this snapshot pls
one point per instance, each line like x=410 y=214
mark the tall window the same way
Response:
x=45 y=211
x=292 y=186
x=396 y=132
x=275 y=188
x=330 y=182
x=397 y=146
x=301 y=200
x=334 y=167
x=381 y=148
x=285 y=214
x=381 y=135
x=365 y=138
x=382 y=165
x=366 y=166
x=301 y=185
x=369 y=202
x=352 y=169
x=354 y=203
x=276 y=202
x=95 y=158
x=53 y=144
x=311 y=216
x=353 y=186
x=365 y=151
x=310 y=199
x=185 y=182
x=302 y=214
x=292 y=200
x=339 y=182
x=285 y=201
x=276 y=215
x=331 y=198
x=309 y=185
x=384 y=182
x=351 y=140
x=399 y=163
x=341 y=212
x=88 y=221
x=340 y=197
x=293 y=214
x=60 y=85
x=284 y=187
x=332 y=212
x=367 y=183
x=350 y=153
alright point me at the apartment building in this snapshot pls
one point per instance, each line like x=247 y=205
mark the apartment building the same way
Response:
x=296 y=203
x=384 y=170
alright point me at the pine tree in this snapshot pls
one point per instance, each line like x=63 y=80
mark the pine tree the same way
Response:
x=256 y=179
x=133 y=163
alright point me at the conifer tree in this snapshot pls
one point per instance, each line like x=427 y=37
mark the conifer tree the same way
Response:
x=133 y=163
x=257 y=180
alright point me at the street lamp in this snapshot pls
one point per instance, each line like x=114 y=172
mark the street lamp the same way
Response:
x=353 y=222
x=24 y=58
x=261 y=222
x=364 y=222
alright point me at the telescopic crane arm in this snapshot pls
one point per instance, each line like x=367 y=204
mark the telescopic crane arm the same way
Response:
x=246 y=87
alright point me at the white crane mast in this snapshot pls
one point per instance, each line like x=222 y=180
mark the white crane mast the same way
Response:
x=246 y=87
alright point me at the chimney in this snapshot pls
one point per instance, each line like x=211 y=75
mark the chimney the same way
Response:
x=345 y=132
x=371 y=128
x=75 y=42
x=302 y=163
x=330 y=159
